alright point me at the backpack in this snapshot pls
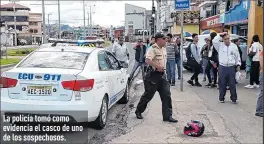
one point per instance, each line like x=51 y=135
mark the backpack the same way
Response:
x=188 y=52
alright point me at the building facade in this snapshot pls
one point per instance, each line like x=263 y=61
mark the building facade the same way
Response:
x=18 y=20
x=169 y=19
x=35 y=27
x=212 y=15
x=237 y=17
x=135 y=21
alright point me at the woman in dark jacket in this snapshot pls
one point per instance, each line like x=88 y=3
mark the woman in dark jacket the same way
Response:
x=212 y=63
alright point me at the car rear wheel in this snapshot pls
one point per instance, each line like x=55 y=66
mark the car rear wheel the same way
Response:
x=100 y=122
x=125 y=97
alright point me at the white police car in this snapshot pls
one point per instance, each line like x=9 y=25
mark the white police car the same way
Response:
x=66 y=79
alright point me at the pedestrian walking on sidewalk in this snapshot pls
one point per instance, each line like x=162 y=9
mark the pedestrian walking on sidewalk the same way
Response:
x=140 y=49
x=171 y=49
x=155 y=80
x=178 y=56
x=229 y=60
x=194 y=59
x=254 y=50
x=259 y=108
x=120 y=50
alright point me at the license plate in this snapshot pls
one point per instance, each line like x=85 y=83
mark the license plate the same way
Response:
x=39 y=90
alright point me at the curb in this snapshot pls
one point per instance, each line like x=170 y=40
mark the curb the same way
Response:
x=8 y=66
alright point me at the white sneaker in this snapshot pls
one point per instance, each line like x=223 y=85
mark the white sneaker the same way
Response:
x=249 y=86
x=256 y=86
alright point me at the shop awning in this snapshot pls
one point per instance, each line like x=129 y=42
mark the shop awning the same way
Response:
x=238 y=14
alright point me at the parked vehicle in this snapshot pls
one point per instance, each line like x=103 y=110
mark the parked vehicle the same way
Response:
x=202 y=42
x=65 y=80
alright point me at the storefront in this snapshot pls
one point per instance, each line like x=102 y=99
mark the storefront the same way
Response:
x=212 y=23
x=237 y=18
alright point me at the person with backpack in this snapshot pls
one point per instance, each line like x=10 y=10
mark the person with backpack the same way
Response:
x=194 y=60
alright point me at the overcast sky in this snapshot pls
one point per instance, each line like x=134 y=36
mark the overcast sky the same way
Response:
x=106 y=13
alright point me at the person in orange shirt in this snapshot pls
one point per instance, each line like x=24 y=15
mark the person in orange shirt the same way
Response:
x=259 y=108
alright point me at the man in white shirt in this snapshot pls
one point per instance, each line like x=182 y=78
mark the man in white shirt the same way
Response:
x=120 y=50
x=229 y=59
x=254 y=50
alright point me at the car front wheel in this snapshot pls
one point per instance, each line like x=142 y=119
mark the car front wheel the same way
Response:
x=100 y=122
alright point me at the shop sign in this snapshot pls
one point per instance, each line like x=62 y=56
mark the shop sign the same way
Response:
x=211 y=22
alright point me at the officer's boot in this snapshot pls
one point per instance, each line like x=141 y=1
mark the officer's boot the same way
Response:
x=173 y=83
x=169 y=82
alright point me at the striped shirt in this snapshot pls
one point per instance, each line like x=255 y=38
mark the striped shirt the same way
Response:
x=171 y=48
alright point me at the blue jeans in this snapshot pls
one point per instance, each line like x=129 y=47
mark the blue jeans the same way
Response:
x=136 y=66
x=178 y=63
x=259 y=108
x=170 y=69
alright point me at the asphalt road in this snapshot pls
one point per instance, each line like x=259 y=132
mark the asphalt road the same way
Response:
x=116 y=117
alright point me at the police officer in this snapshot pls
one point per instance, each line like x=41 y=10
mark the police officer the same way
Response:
x=155 y=80
x=229 y=62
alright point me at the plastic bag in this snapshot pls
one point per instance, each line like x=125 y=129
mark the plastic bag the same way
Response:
x=238 y=76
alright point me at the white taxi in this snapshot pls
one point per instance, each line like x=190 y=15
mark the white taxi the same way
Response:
x=66 y=79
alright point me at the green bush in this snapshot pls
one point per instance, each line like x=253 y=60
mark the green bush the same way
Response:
x=20 y=52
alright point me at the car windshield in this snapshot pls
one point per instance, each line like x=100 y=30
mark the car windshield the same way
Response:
x=48 y=59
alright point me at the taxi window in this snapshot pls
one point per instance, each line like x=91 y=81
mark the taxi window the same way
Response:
x=103 y=64
x=63 y=60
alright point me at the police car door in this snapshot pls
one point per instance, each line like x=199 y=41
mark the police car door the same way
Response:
x=117 y=77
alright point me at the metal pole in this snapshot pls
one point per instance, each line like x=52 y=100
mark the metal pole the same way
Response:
x=143 y=36
x=88 y=20
x=181 y=50
x=59 y=19
x=91 y=28
x=44 y=23
x=7 y=36
x=84 y=30
x=49 y=25
x=14 y=8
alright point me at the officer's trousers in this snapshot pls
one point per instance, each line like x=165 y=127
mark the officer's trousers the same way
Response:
x=227 y=75
x=156 y=82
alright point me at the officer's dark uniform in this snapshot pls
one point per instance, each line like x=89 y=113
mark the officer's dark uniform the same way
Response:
x=156 y=81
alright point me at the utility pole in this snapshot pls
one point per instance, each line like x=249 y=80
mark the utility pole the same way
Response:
x=49 y=25
x=43 y=19
x=91 y=27
x=143 y=34
x=88 y=23
x=44 y=23
x=84 y=30
x=14 y=9
x=59 y=19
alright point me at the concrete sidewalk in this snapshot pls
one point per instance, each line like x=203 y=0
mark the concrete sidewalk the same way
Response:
x=224 y=123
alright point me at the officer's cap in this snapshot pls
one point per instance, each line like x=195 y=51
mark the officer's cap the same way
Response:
x=159 y=35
